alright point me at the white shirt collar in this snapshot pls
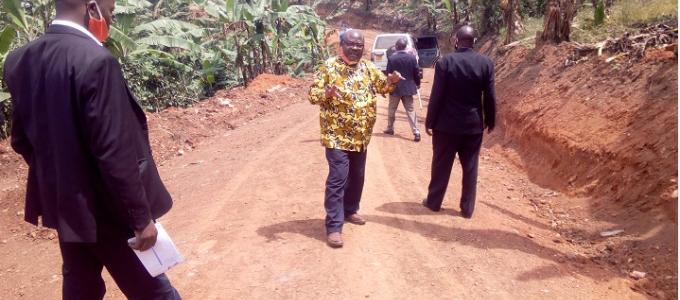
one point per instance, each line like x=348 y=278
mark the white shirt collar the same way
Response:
x=77 y=27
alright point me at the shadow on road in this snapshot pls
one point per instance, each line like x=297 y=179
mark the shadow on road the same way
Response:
x=396 y=135
x=517 y=216
x=310 y=141
x=413 y=209
x=312 y=228
x=491 y=239
x=478 y=238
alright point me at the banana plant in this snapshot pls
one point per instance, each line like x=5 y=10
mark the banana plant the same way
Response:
x=18 y=28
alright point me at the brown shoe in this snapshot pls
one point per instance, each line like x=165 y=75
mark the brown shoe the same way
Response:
x=355 y=219
x=334 y=239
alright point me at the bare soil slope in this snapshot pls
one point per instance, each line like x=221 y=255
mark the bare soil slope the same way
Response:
x=603 y=132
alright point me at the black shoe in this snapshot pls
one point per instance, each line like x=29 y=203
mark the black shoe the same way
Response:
x=428 y=207
x=416 y=137
x=466 y=215
x=389 y=131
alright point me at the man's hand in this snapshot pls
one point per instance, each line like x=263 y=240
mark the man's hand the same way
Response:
x=428 y=131
x=146 y=238
x=394 y=77
x=332 y=91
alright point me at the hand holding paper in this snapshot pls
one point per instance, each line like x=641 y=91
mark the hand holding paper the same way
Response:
x=161 y=256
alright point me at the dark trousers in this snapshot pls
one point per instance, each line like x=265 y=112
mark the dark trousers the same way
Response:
x=445 y=146
x=83 y=264
x=343 y=187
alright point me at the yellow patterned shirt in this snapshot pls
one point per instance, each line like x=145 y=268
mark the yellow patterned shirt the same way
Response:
x=347 y=121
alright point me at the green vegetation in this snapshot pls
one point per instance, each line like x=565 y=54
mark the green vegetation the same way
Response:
x=634 y=12
x=624 y=16
x=599 y=13
x=176 y=52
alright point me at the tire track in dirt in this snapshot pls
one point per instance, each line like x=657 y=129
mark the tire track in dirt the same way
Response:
x=236 y=204
x=250 y=221
x=404 y=158
x=408 y=164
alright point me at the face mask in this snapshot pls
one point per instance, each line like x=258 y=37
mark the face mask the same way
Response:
x=99 y=28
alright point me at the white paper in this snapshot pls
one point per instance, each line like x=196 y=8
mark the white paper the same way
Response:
x=162 y=256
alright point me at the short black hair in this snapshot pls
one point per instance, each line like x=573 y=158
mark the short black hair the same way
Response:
x=68 y=4
x=400 y=44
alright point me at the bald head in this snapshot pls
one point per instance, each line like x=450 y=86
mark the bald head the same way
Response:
x=400 y=44
x=465 y=37
x=67 y=5
x=79 y=11
x=352 y=45
x=352 y=36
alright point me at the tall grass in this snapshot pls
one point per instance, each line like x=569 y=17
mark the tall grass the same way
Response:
x=635 y=12
x=531 y=26
x=625 y=16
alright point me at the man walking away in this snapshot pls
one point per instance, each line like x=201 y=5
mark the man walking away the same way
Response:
x=462 y=104
x=85 y=139
x=406 y=64
x=345 y=89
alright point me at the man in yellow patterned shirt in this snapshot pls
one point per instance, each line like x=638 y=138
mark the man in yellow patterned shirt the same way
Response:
x=345 y=89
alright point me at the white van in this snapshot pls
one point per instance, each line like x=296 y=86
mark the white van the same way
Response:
x=385 y=41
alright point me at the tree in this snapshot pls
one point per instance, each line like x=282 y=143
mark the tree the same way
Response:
x=452 y=6
x=508 y=15
x=175 y=52
x=486 y=14
x=557 y=21
x=432 y=10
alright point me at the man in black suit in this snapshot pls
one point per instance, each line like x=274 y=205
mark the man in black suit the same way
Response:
x=406 y=64
x=85 y=139
x=462 y=105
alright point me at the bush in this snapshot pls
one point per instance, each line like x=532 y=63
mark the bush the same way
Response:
x=599 y=13
x=532 y=8
x=5 y=117
x=158 y=84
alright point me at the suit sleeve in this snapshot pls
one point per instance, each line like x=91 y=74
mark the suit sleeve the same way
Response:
x=390 y=65
x=19 y=140
x=110 y=130
x=490 y=99
x=436 y=95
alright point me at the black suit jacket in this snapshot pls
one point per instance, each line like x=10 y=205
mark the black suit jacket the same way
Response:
x=406 y=64
x=463 y=97
x=83 y=136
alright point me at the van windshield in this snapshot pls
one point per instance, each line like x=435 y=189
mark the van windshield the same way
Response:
x=384 y=42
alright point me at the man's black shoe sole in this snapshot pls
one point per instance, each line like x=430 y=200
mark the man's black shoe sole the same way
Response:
x=424 y=203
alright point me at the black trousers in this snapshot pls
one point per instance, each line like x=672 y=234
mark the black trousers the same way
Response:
x=344 y=186
x=444 y=147
x=83 y=264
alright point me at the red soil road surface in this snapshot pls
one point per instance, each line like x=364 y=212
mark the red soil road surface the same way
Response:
x=248 y=217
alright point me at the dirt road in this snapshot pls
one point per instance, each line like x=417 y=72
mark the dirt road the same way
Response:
x=249 y=213
x=248 y=217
